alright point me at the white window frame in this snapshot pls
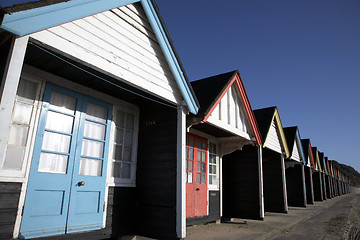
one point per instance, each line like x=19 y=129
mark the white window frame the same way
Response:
x=19 y=175
x=124 y=182
x=217 y=164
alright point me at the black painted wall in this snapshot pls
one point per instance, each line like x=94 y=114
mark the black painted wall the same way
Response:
x=317 y=181
x=324 y=186
x=328 y=187
x=241 y=197
x=214 y=211
x=9 y=200
x=156 y=173
x=309 y=185
x=295 y=186
x=274 y=195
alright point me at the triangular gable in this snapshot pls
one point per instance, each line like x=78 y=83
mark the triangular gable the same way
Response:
x=271 y=130
x=294 y=144
x=224 y=102
x=316 y=158
x=38 y=19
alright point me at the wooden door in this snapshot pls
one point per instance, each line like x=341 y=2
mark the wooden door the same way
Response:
x=66 y=185
x=196 y=171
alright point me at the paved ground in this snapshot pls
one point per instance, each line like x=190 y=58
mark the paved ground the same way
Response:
x=330 y=219
x=336 y=218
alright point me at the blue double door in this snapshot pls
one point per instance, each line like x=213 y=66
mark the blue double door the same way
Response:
x=66 y=185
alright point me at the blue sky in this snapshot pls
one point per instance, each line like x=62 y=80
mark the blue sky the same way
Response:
x=301 y=55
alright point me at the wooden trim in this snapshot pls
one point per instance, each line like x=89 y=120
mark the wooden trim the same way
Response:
x=261 y=182
x=181 y=169
x=9 y=88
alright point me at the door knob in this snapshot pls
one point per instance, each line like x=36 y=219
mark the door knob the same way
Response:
x=82 y=183
x=197 y=189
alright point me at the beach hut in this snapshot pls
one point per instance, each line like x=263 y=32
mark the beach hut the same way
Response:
x=329 y=189
x=294 y=169
x=275 y=151
x=223 y=153
x=308 y=169
x=317 y=177
x=93 y=118
x=333 y=178
x=323 y=174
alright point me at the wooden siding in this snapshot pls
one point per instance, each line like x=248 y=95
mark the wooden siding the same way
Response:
x=309 y=185
x=214 y=211
x=295 y=186
x=273 y=140
x=157 y=172
x=274 y=190
x=295 y=155
x=9 y=199
x=230 y=114
x=241 y=193
x=119 y=42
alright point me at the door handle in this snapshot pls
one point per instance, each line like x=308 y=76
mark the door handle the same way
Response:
x=197 y=189
x=82 y=183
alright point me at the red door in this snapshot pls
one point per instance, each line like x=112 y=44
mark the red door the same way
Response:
x=196 y=183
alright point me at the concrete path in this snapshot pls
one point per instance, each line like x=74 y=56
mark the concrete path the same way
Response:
x=323 y=220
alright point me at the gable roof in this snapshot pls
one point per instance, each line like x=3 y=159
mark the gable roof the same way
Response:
x=308 y=152
x=292 y=134
x=316 y=158
x=210 y=91
x=32 y=17
x=264 y=118
x=322 y=162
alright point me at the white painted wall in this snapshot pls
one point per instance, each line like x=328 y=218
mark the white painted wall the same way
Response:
x=295 y=153
x=120 y=43
x=230 y=114
x=273 y=139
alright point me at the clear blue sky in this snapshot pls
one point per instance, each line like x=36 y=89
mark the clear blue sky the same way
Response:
x=301 y=55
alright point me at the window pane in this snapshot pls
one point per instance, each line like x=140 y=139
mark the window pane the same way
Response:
x=96 y=113
x=210 y=169
x=13 y=158
x=56 y=142
x=120 y=119
x=119 y=136
x=90 y=167
x=116 y=169
x=128 y=138
x=92 y=148
x=203 y=157
x=189 y=174
x=94 y=130
x=62 y=103
x=214 y=169
x=125 y=170
x=198 y=167
x=191 y=153
x=22 y=113
x=129 y=122
x=210 y=180
x=59 y=122
x=203 y=167
x=117 y=155
x=18 y=135
x=198 y=155
x=198 y=176
x=27 y=90
x=52 y=163
x=190 y=166
x=214 y=179
x=203 y=178
x=127 y=154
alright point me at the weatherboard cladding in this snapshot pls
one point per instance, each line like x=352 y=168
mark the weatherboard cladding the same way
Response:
x=224 y=104
x=121 y=43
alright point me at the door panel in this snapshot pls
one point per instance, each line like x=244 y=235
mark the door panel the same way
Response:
x=196 y=187
x=60 y=200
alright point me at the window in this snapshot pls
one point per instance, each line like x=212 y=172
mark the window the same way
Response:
x=213 y=166
x=124 y=147
x=20 y=130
